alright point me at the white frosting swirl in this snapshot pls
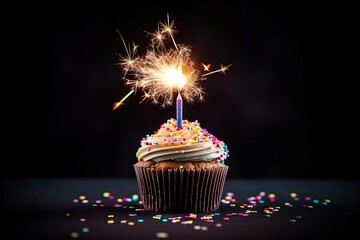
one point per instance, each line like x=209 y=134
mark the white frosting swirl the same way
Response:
x=190 y=143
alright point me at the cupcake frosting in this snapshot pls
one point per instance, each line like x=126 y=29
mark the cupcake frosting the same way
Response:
x=190 y=143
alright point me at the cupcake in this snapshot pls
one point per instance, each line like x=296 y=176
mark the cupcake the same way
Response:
x=181 y=170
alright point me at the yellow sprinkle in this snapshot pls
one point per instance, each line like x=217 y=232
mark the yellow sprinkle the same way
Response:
x=140 y=202
x=193 y=215
x=232 y=205
x=310 y=206
x=162 y=235
x=74 y=235
x=271 y=195
x=328 y=200
x=111 y=215
x=82 y=197
x=106 y=194
x=187 y=222
x=293 y=195
x=242 y=206
x=131 y=223
x=119 y=200
x=110 y=221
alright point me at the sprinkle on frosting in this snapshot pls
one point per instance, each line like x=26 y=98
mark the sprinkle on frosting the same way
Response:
x=190 y=143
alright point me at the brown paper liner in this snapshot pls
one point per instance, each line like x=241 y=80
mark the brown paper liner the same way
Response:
x=181 y=190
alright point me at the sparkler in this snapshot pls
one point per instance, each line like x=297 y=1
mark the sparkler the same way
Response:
x=163 y=70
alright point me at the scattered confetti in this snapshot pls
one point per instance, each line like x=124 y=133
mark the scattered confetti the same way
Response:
x=232 y=210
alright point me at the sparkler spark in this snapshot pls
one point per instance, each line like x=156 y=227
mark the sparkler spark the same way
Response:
x=163 y=70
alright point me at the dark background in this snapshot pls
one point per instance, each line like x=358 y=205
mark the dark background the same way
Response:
x=281 y=108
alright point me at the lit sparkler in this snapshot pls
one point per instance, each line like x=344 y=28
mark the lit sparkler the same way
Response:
x=163 y=71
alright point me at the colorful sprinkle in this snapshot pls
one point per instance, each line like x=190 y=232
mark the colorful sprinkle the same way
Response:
x=253 y=205
x=162 y=235
x=74 y=235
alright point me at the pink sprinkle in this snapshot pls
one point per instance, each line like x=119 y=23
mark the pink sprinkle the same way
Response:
x=82 y=219
x=272 y=199
x=226 y=219
x=111 y=197
x=204 y=228
x=140 y=209
x=292 y=220
x=218 y=225
x=228 y=214
x=132 y=214
x=116 y=205
x=308 y=198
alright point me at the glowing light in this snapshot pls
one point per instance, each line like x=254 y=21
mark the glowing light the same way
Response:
x=163 y=70
x=206 y=67
x=174 y=78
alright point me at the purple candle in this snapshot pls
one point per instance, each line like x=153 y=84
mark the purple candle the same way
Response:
x=179 y=110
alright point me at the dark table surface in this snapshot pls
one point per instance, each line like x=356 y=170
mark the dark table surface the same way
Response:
x=109 y=209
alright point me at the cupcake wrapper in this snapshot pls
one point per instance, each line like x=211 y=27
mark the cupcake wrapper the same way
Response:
x=181 y=190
